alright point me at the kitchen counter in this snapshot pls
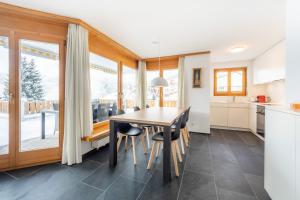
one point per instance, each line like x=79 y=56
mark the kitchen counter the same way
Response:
x=284 y=109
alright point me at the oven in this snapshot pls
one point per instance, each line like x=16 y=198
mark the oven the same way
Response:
x=260 y=115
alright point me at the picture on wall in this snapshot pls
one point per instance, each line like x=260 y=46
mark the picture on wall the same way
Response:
x=197 y=78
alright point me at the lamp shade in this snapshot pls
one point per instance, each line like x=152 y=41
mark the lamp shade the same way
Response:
x=159 y=82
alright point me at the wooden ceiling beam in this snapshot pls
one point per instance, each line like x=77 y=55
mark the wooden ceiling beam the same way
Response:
x=176 y=56
x=58 y=19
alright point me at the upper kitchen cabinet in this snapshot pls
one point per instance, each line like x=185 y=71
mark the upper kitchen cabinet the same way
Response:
x=270 y=66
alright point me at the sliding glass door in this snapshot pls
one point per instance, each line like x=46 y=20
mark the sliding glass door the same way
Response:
x=5 y=154
x=38 y=99
x=31 y=99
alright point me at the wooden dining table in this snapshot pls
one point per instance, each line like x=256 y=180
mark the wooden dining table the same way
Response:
x=162 y=116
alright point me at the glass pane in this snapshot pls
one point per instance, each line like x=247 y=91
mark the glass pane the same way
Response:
x=39 y=92
x=237 y=81
x=104 y=87
x=222 y=81
x=170 y=92
x=152 y=93
x=4 y=69
x=129 y=88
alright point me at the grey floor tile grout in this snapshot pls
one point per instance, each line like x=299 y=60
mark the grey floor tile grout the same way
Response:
x=132 y=179
x=238 y=163
x=182 y=176
x=214 y=176
x=12 y=176
x=91 y=186
x=143 y=189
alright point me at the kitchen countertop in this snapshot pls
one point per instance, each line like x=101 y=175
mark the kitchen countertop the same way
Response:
x=284 y=109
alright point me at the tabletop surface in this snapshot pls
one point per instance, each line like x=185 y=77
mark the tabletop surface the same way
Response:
x=163 y=116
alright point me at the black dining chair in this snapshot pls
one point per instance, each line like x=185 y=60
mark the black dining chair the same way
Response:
x=184 y=135
x=127 y=130
x=158 y=139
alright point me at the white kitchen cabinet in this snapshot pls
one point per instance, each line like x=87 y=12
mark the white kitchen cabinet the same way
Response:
x=280 y=161
x=238 y=117
x=297 y=157
x=234 y=115
x=252 y=118
x=270 y=66
x=218 y=116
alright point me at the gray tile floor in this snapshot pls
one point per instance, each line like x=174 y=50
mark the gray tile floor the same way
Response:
x=226 y=165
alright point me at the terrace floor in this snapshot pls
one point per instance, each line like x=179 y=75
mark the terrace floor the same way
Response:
x=226 y=165
x=30 y=133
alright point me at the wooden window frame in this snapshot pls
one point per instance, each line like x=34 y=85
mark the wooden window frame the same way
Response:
x=161 y=74
x=229 y=92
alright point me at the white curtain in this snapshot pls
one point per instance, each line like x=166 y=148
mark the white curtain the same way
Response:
x=141 y=87
x=78 y=114
x=180 y=99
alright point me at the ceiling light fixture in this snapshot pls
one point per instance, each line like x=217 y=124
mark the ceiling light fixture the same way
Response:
x=237 y=49
x=159 y=81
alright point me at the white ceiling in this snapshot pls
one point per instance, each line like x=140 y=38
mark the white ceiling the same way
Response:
x=181 y=26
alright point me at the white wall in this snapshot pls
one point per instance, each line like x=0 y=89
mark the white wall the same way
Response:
x=293 y=51
x=276 y=90
x=252 y=90
x=198 y=98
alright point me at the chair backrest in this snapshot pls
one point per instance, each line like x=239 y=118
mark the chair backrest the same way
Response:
x=123 y=127
x=184 y=119
x=188 y=114
x=178 y=126
x=136 y=108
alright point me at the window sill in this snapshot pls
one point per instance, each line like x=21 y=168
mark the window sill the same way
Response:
x=100 y=131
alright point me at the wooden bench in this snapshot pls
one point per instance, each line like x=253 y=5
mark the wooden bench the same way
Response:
x=100 y=131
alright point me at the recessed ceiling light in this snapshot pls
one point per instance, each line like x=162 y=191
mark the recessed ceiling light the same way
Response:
x=237 y=49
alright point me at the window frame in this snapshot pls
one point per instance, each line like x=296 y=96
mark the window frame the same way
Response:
x=229 y=92
x=161 y=70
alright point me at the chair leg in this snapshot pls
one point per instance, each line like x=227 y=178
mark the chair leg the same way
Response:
x=178 y=151
x=126 y=142
x=143 y=143
x=147 y=135
x=119 y=142
x=181 y=143
x=175 y=159
x=185 y=138
x=151 y=155
x=187 y=132
x=157 y=150
x=133 y=150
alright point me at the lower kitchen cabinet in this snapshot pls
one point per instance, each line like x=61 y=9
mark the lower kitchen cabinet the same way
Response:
x=297 y=157
x=280 y=155
x=219 y=116
x=238 y=117
x=230 y=115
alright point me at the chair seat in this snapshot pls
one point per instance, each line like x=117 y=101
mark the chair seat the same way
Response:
x=160 y=136
x=133 y=131
x=181 y=127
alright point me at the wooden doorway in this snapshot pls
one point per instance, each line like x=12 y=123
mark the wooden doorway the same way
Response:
x=34 y=97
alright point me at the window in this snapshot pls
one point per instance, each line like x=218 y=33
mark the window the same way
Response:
x=170 y=92
x=129 y=88
x=104 y=87
x=230 y=82
x=4 y=112
x=152 y=93
x=39 y=92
